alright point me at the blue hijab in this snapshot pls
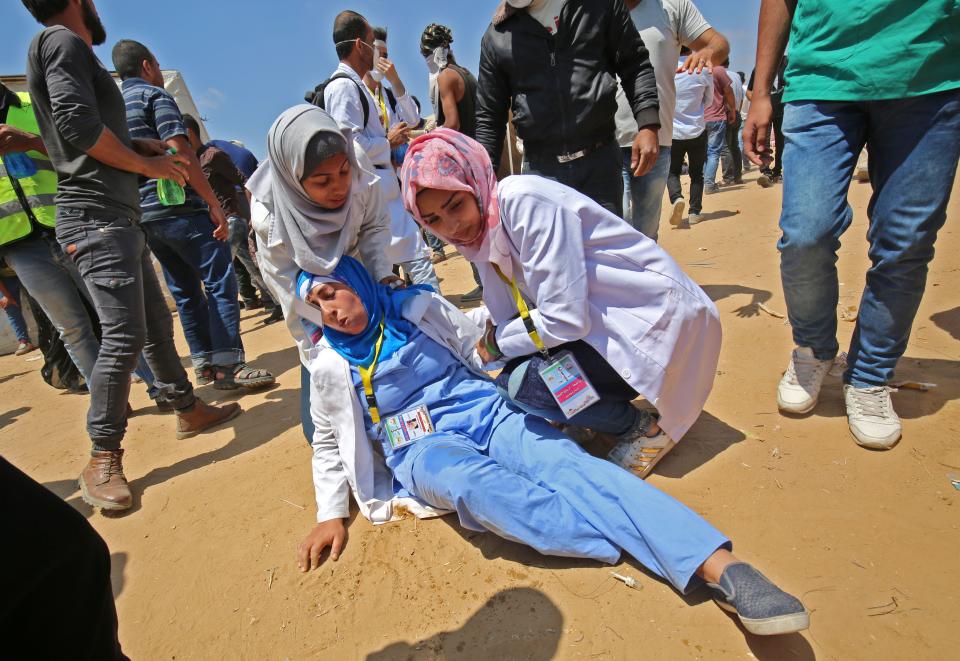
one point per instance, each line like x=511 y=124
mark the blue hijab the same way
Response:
x=383 y=305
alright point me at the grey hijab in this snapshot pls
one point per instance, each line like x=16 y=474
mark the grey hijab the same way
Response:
x=317 y=237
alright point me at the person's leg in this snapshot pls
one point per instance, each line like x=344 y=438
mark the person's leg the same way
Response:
x=646 y=195
x=716 y=134
x=448 y=471
x=245 y=285
x=306 y=419
x=823 y=140
x=661 y=533
x=14 y=310
x=780 y=146
x=598 y=176
x=107 y=250
x=678 y=153
x=168 y=239
x=726 y=157
x=58 y=570
x=41 y=266
x=914 y=145
x=697 y=153
x=736 y=157
x=239 y=247
x=421 y=272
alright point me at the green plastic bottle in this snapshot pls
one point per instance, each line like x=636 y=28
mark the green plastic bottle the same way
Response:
x=171 y=193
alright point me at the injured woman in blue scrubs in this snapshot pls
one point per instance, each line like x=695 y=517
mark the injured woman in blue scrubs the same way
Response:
x=407 y=421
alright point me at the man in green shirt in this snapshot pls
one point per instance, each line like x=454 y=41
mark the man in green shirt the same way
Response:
x=885 y=75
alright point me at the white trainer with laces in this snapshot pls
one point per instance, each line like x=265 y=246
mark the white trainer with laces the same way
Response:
x=873 y=422
x=799 y=388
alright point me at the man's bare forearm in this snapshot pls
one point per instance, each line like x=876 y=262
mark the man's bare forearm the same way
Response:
x=772 y=35
x=109 y=150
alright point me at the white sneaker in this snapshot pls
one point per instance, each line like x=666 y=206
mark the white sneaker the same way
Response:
x=799 y=388
x=676 y=216
x=873 y=422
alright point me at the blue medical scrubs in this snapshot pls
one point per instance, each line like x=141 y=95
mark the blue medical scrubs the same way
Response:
x=514 y=475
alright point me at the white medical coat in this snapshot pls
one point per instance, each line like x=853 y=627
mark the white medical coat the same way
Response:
x=593 y=277
x=341 y=99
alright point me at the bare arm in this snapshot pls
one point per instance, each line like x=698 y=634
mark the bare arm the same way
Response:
x=448 y=98
x=730 y=101
x=710 y=48
x=198 y=181
x=772 y=34
x=14 y=140
x=108 y=149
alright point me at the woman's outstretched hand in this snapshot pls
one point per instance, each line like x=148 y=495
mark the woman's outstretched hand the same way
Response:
x=330 y=533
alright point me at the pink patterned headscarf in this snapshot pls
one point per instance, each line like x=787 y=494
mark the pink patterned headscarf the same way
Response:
x=448 y=160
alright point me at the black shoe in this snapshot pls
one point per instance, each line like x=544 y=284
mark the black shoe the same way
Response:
x=275 y=316
x=475 y=295
x=763 y=608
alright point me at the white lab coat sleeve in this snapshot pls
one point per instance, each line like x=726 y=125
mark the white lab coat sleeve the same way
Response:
x=550 y=240
x=373 y=236
x=342 y=100
x=330 y=481
x=463 y=331
x=407 y=110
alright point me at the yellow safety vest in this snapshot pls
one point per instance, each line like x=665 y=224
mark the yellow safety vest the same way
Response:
x=39 y=190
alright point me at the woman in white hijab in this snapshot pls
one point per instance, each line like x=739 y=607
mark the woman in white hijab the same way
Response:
x=314 y=200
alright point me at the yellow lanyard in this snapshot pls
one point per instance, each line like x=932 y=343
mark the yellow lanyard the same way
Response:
x=384 y=117
x=366 y=375
x=524 y=312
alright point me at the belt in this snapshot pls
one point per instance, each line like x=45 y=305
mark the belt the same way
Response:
x=569 y=157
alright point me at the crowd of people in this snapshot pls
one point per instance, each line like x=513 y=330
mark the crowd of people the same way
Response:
x=583 y=312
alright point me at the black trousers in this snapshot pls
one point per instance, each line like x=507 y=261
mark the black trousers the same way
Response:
x=778 y=151
x=696 y=150
x=57 y=601
x=597 y=175
x=731 y=156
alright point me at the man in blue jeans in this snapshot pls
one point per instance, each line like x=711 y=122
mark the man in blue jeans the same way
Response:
x=907 y=112
x=189 y=239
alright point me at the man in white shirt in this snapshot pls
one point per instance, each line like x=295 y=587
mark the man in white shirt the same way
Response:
x=397 y=109
x=665 y=26
x=354 y=40
x=694 y=94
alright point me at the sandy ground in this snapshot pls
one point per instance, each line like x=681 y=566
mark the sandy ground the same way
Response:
x=204 y=566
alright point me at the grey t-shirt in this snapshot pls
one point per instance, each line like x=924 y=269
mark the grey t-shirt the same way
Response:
x=664 y=26
x=75 y=98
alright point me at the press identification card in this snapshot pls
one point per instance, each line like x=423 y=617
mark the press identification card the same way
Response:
x=568 y=384
x=404 y=428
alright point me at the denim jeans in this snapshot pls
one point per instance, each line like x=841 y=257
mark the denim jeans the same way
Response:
x=731 y=156
x=614 y=414
x=240 y=250
x=716 y=139
x=14 y=309
x=54 y=282
x=695 y=149
x=199 y=273
x=596 y=175
x=111 y=255
x=914 y=145
x=421 y=272
x=643 y=196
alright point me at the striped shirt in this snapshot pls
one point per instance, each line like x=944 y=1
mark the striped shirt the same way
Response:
x=152 y=113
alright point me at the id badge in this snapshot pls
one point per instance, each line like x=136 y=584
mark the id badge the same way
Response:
x=568 y=384
x=405 y=428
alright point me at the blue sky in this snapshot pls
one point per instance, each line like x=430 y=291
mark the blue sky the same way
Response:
x=245 y=61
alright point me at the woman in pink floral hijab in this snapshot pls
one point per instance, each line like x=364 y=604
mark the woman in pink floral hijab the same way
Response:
x=584 y=283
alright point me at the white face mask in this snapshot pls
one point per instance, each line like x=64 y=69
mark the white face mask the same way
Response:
x=437 y=60
x=375 y=73
x=519 y=4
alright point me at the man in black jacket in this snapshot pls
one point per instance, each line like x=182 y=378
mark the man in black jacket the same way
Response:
x=563 y=91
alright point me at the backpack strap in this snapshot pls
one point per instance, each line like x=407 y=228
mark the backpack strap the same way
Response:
x=316 y=96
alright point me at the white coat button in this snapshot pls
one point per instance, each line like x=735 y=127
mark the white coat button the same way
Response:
x=625 y=374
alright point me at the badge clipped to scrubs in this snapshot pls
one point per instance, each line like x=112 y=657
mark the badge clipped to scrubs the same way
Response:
x=405 y=428
x=562 y=374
